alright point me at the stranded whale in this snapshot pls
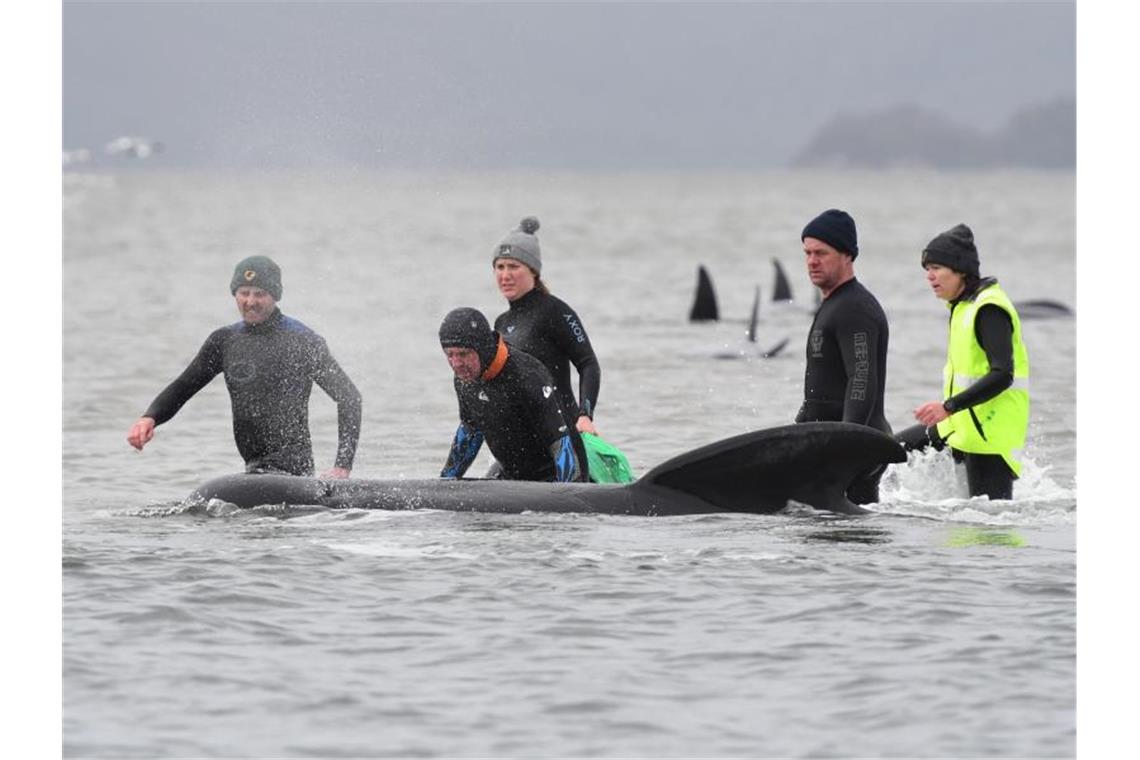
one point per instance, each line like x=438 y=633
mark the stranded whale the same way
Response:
x=757 y=472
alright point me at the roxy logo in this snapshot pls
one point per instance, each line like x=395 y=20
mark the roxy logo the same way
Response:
x=575 y=328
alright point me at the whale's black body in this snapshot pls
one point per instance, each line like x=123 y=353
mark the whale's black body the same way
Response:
x=1042 y=309
x=757 y=472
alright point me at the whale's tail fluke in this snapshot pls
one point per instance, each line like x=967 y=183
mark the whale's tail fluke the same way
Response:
x=704 y=301
x=774 y=350
x=812 y=463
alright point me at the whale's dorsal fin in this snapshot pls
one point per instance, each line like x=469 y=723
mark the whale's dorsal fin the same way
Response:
x=812 y=463
x=782 y=291
x=704 y=301
x=755 y=318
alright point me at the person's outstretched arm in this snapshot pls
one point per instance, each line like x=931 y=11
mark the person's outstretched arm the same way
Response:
x=202 y=369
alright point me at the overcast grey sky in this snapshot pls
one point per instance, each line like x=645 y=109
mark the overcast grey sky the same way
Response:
x=671 y=85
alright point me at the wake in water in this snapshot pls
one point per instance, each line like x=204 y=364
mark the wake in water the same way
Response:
x=920 y=486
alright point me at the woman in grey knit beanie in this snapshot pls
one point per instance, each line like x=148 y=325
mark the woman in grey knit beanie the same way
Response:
x=543 y=325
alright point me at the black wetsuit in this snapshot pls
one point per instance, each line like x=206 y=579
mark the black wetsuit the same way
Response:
x=270 y=369
x=986 y=474
x=548 y=329
x=846 y=371
x=520 y=416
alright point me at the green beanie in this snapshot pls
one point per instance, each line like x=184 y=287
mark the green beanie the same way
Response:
x=258 y=272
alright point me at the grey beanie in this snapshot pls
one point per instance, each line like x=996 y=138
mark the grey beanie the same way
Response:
x=520 y=244
x=954 y=248
x=258 y=272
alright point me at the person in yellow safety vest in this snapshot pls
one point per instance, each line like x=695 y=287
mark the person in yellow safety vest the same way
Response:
x=984 y=413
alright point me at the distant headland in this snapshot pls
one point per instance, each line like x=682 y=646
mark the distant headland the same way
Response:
x=1039 y=136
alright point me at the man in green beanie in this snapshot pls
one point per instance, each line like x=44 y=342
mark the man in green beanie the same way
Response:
x=270 y=362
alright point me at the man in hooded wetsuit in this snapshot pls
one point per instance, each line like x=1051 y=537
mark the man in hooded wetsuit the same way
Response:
x=846 y=370
x=270 y=362
x=507 y=398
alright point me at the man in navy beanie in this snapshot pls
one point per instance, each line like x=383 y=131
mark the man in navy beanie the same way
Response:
x=846 y=368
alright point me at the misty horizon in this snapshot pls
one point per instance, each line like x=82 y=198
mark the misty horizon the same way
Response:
x=547 y=86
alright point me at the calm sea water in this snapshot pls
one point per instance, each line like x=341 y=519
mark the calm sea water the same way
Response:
x=939 y=626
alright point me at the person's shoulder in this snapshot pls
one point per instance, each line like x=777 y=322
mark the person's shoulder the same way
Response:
x=862 y=293
x=523 y=364
x=294 y=325
x=224 y=333
x=557 y=304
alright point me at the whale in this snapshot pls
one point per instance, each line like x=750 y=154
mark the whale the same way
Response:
x=759 y=472
x=705 y=308
x=1042 y=308
x=750 y=349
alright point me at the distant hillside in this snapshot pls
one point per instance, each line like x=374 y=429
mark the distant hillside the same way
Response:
x=1043 y=136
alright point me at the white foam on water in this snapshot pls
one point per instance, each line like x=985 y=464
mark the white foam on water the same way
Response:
x=383 y=549
x=931 y=485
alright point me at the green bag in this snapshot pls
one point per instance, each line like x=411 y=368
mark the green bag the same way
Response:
x=606 y=462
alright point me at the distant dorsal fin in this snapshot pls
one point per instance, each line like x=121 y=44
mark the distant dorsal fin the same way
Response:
x=704 y=301
x=755 y=316
x=782 y=291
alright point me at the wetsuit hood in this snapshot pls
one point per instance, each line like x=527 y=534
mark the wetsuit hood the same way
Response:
x=466 y=327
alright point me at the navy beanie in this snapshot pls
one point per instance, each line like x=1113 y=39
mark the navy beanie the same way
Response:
x=837 y=229
x=468 y=328
x=258 y=272
x=954 y=248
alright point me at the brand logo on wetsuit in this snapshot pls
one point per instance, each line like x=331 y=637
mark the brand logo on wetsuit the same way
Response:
x=483 y=396
x=241 y=372
x=862 y=368
x=575 y=328
x=546 y=391
x=510 y=329
x=817 y=344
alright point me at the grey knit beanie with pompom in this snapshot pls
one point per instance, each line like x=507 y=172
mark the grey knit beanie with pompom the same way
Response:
x=520 y=244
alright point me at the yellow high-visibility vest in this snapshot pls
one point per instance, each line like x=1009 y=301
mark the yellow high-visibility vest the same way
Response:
x=996 y=426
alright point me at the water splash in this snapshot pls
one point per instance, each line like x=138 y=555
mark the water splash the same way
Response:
x=931 y=485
